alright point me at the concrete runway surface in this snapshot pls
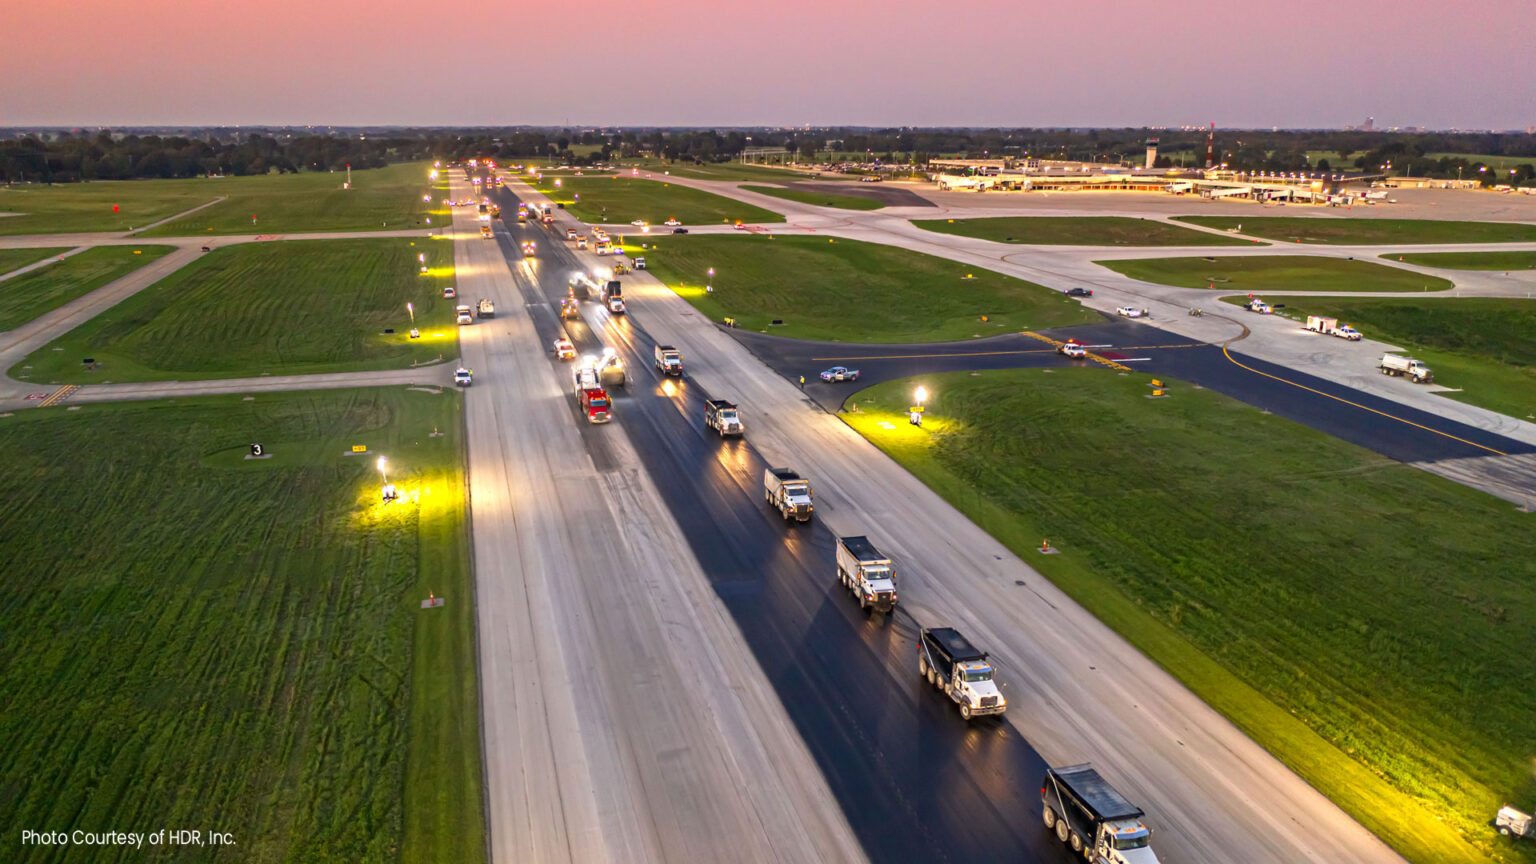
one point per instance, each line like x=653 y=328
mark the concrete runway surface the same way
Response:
x=913 y=781
x=623 y=717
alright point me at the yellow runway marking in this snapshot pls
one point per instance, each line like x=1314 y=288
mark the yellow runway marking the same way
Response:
x=58 y=395
x=1361 y=407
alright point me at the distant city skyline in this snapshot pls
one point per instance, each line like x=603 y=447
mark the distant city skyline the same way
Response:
x=1302 y=64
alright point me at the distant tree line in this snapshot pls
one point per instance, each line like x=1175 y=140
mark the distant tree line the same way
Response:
x=65 y=157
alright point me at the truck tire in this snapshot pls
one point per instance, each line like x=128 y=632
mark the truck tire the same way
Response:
x=1076 y=843
x=1049 y=816
x=933 y=677
x=965 y=711
x=1062 y=833
x=922 y=666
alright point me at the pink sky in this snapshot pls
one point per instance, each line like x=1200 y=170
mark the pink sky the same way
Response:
x=687 y=62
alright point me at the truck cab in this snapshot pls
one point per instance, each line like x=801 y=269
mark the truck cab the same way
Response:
x=959 y=671
x=1094 y=819
x=669 y=360
x=591 y=396
x=486 y=309
x=581 y=241
x=866 y=573
x=788 y=493
x=723 y=417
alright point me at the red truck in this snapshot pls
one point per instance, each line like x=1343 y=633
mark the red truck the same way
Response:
x=594 y=400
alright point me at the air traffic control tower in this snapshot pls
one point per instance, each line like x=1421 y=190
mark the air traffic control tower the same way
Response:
x=1151 y=153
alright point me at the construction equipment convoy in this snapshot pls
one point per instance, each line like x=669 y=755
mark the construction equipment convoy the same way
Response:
x=669 y=360
x=788 y=493
x=1391 y=364
x=723 y=417
x=959 y=671
x=1095 y=820
x=1331 y=327
x=866 y=573
x=591 y=396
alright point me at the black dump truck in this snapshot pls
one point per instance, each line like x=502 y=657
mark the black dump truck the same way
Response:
x=1088 y=815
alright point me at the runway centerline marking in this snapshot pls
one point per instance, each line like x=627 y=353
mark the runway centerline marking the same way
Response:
x=1228 y=355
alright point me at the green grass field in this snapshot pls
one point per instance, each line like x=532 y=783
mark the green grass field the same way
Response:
x=820 y=199
x=25 y=297
x=620 y=198
x=1304 y=229
x=288 y=308
x=1384 y=656
x=1502 y=163
x=717 y=171
x=15 y=259
x=1470 y=260
x=197 y=640
x=1486 y=347
x=1255 y=273
x=380 y=199
x=851 y=291
x=87 y=207
x=1078 y=231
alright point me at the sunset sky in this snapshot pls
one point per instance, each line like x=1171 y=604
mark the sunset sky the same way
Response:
x=1297 y=63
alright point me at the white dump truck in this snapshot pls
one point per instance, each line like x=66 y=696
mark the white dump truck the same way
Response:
x=723 y=417
x=1332 y=327
x=1391 y=364
x=486 y=309
x=788 y=493
x=669 y=360
x=1092 y=818
x=959 y=671
x=866 y=573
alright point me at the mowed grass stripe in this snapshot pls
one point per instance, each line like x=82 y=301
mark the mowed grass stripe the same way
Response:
x=819 y=199
x=1470 y=260
x=294 y=307
x=25 y=297
x=1078 y=231
x=15 y=259
x=1304 y=229
x=1381 y=653
x=389 y=198
x=197 y=639
x=1262 y=273
x=620 y=198
x=849 y=290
